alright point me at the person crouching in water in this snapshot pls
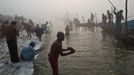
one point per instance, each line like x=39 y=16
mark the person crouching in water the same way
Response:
x=28 y=53
x=56 y=50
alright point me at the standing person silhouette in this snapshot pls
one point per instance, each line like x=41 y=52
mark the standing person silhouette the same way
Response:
x=104 y=20
x=119 y=18
x=56 y=50
x=67 y=30
x=38 y=32
x=11 y=33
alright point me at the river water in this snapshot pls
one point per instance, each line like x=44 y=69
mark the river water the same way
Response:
x=97 y=53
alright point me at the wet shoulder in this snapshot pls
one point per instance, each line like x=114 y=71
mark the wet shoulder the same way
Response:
x=56 y=44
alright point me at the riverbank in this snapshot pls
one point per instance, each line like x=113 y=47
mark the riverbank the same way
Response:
x=21 y=68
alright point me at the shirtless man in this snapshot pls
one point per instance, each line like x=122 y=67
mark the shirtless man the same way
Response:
x=56 y=50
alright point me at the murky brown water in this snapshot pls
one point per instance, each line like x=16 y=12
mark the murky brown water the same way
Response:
x=96 y=54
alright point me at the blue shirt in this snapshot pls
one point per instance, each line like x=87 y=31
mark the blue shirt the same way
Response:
x=27 y=53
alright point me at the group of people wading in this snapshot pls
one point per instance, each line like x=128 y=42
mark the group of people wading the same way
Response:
x=12 y=29
x=108 y=20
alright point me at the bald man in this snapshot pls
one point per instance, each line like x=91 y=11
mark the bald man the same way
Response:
x=56 y=50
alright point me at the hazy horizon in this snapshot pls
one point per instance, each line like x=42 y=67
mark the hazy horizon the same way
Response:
x=42 y=10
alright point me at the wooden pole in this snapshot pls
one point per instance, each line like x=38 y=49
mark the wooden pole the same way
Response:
x=112 y=4
x=126 y=20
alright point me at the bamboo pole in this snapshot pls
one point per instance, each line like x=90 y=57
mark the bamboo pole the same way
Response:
x=126 y=14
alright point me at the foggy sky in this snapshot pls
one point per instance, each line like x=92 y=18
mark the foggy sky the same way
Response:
x=42 y=10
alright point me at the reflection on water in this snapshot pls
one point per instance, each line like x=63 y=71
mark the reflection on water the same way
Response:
x=97 y=53
x=68 y=40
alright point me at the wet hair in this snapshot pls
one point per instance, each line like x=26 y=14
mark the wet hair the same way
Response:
x=46 y=22
x=6 y=22
x=37 y=24
x=108 y=11
x=121 y=11
x=13 y=23
x=59 y=34
x=32 y=44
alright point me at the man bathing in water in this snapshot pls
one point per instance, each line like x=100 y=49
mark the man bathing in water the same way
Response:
x=56 y=50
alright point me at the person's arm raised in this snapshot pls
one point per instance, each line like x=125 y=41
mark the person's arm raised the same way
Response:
x=115 y=11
